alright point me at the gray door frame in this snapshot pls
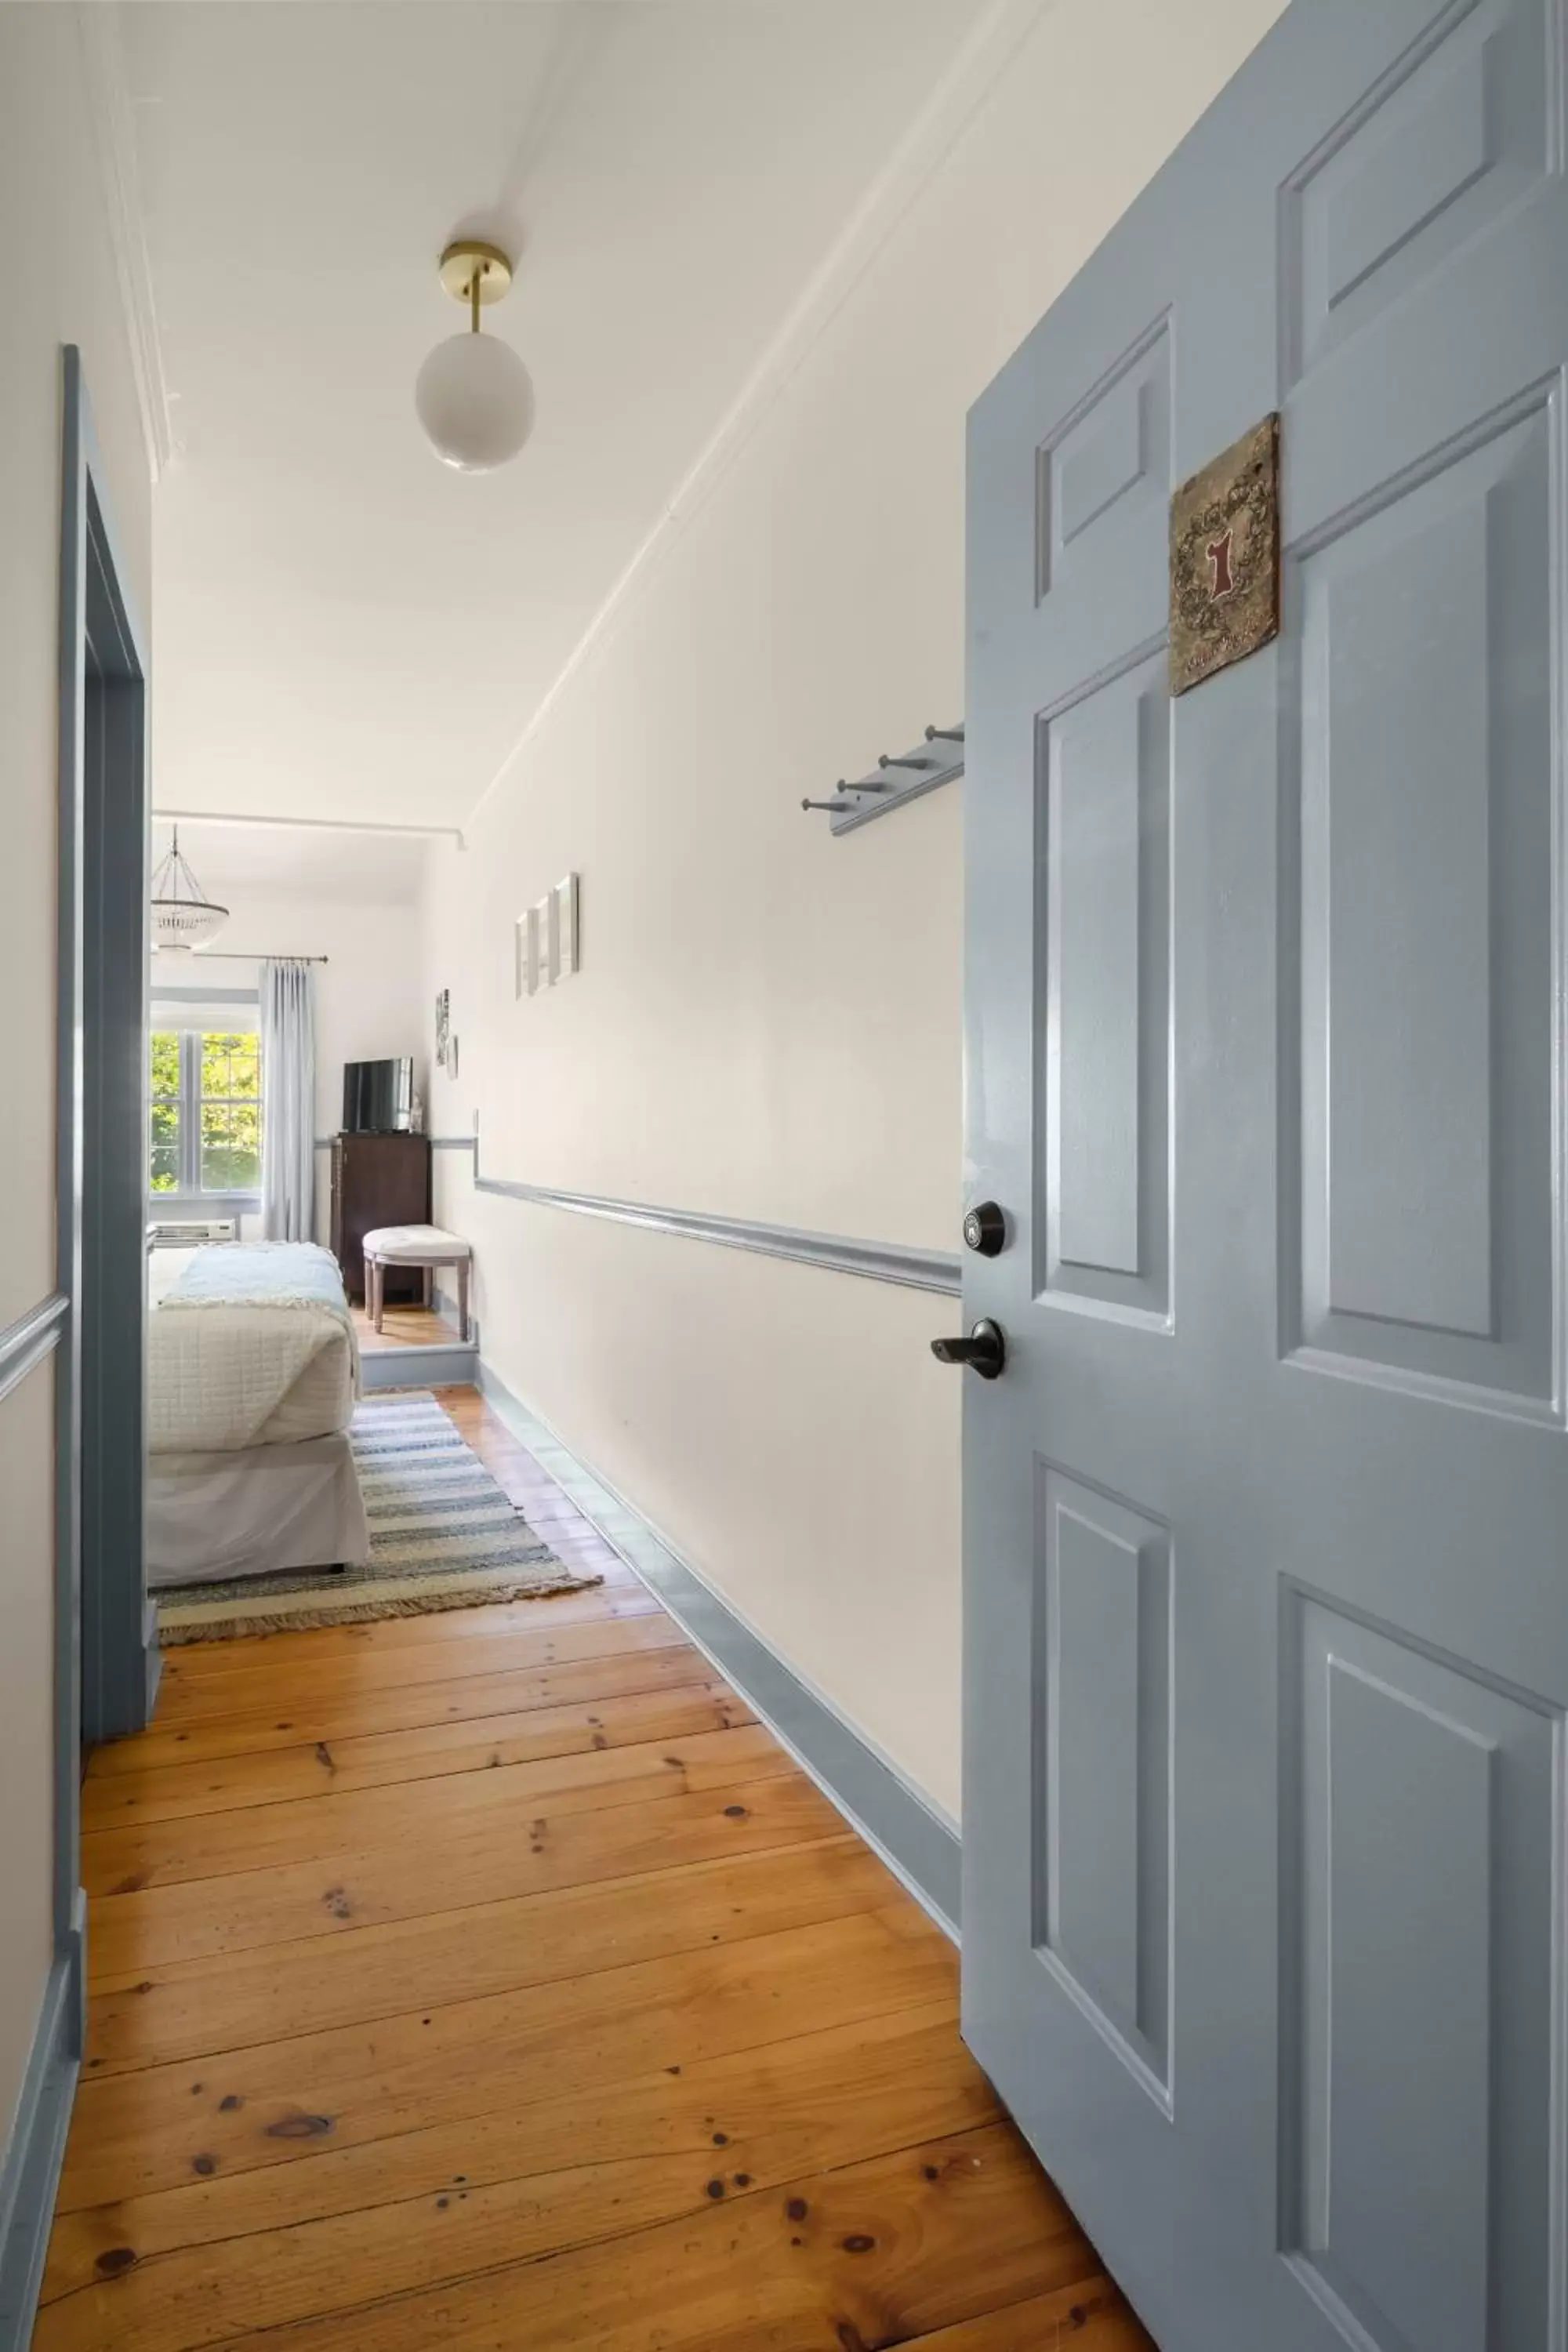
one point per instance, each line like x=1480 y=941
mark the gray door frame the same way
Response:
x=106 y=1631
x=93 y=1323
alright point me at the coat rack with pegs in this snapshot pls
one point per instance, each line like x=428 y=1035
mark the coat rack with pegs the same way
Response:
x=858 y=799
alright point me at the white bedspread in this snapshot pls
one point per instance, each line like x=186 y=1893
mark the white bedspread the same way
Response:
x=254 y=1346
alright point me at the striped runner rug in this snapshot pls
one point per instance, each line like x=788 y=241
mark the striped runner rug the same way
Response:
x=442 y=1536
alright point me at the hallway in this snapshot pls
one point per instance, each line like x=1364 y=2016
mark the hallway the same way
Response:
x=495 y=1979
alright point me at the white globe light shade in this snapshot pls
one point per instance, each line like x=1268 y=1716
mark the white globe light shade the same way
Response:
x=475 y=400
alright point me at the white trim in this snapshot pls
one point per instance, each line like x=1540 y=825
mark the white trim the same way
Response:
x=114 y=136
x=999 y=33
x=252 y=820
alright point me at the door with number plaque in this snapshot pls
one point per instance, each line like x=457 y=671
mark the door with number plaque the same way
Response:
x=1267 y=1513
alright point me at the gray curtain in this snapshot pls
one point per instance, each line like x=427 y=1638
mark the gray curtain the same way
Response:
x=288 y=1103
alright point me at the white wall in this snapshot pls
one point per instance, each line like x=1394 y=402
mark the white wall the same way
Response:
x=57 y=285
x=767 y=1021
x=370 y=997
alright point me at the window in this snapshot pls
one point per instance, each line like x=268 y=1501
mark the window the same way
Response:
x=166 y=1111
x=205 y=1124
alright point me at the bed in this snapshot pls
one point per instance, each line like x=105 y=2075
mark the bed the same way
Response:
x=252 y=1379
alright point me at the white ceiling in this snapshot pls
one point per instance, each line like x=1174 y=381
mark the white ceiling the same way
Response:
x=237 y=865
x=343 y=627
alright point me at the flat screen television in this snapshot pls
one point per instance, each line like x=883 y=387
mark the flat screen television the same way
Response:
x=378 y=1097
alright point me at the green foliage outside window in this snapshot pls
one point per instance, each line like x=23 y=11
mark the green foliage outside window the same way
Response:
x=165 y=1168
x=231 y=1113
x=205 y=1112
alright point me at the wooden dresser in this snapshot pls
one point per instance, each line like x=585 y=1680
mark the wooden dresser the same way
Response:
x=378 y=1180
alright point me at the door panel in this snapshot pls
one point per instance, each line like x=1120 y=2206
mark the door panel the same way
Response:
x=1103 y=469
x=1266 y=1596
x=1426 y=827
x=1422 y=1812
x=1102 y=1783
x=1457 y=129
x=1104 y=926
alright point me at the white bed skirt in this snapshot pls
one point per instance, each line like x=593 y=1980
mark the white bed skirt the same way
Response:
x=262 y=1509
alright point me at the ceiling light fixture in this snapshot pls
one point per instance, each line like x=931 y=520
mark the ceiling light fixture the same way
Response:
x=182 y=914
x=473 y=395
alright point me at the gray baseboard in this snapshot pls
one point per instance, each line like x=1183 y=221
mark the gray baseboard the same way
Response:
x=446 y=1364
x=153 y=1651
x=913 y=1839
x=30 y=2172
x=456 y=1366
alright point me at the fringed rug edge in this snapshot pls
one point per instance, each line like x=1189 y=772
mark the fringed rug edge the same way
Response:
x=296 y=1620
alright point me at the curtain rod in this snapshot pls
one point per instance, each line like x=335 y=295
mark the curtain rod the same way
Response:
x=237 y=955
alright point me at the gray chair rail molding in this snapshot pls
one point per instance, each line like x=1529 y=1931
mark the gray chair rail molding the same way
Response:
x=916 y=1269
x=438 y=1143
x=29 y=1339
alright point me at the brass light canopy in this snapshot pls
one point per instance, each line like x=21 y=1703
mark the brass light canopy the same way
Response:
x=470 y=266
x=473 y=395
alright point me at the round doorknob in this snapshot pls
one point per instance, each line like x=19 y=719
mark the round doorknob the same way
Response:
x=985 y=1229
x=985 y=1350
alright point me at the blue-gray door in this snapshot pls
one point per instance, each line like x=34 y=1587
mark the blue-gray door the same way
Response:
x=1264 y=1918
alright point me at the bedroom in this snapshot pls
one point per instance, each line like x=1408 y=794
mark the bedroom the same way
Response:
x=260 y=1071
x=883 y=680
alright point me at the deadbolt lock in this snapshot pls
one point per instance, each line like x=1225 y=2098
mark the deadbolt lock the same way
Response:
x=985 y=1229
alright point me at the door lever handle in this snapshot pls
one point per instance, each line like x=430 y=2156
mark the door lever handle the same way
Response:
x=985 y=1350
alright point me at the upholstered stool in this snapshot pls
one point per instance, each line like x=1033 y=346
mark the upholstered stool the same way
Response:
x=422 y=1245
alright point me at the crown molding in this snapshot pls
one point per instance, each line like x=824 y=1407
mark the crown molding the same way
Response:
x=256 y=821
x=114 y=138
x=998 y=34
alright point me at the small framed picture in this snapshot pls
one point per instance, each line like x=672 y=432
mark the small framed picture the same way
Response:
x=443 y=1019
x=543 y=914
x=526 y=947
x=451 y=1057
x=563 y=899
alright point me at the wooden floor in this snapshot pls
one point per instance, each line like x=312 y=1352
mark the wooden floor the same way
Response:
x=404 y=1326
x=493 y=1981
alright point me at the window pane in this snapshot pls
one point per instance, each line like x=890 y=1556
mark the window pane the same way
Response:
x=231 y=1155
x=230 y=1065
x=165 y=1062
x=163 y=1140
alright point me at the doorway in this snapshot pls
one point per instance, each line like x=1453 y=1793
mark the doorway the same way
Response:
x=107 y=1638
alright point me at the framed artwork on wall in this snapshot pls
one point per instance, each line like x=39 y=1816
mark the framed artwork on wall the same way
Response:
x=525 y=948
x=442 y=1023
x=546 y=939
x=563 y=899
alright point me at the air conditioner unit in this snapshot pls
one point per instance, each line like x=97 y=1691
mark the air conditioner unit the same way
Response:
x=193 y=1233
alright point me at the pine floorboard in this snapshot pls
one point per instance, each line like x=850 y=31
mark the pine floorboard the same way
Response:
x=495 y=1981
x=404 y=1326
